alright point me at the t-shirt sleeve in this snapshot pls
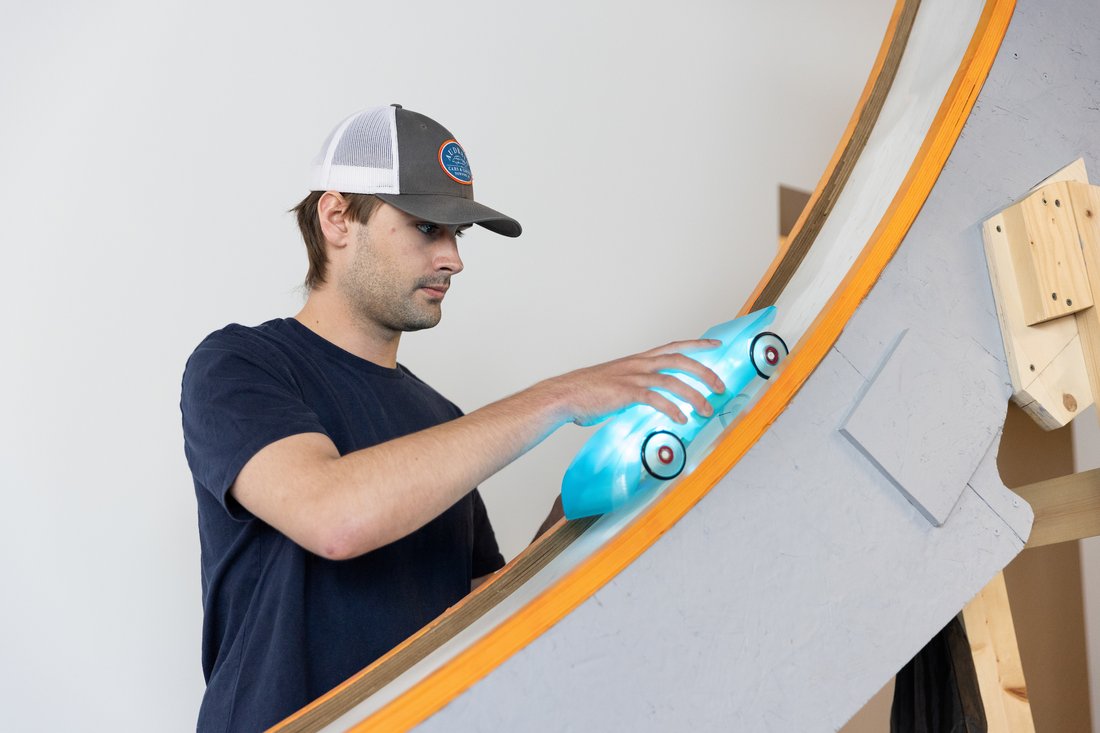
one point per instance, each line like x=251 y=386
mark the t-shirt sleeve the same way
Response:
x=237 y=398
x=487 y=557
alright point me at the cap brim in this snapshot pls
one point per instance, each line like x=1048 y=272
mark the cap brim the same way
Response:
x=442 y=209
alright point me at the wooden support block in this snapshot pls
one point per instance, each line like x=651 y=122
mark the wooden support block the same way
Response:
x=1043 y=244
x=1061 y=390
x=1085 y=202
x=1066 y=508
x=1046 y=361
x=992 y=637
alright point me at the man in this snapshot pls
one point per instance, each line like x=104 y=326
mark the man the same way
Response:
x=336 y=500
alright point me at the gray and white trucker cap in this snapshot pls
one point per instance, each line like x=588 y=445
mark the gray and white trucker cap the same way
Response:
x=409 y=161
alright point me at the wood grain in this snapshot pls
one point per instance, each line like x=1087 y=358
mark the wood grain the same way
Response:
x=1085 y=201
x=1066 y=508
x=1045 y=363
x=997 y=660
x=1042 y=241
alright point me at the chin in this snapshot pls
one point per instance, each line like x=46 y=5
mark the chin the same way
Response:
x=419 y=324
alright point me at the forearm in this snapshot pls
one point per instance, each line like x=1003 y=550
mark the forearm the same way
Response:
x=371 y=497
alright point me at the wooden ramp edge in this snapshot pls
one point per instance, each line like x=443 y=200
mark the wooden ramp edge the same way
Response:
x=474 y=662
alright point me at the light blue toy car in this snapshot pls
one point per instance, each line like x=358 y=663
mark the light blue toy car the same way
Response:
x=641 y=447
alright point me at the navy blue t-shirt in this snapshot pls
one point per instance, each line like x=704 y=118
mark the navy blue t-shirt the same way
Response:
x=281 y=625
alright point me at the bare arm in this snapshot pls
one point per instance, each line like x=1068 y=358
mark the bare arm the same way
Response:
x=343 y=506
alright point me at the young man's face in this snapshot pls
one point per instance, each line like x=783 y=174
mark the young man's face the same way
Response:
x=400 y=270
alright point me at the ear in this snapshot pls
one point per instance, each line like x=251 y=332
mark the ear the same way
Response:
x=332 y=209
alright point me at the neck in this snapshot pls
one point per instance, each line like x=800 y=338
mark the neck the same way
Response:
x=327 y=315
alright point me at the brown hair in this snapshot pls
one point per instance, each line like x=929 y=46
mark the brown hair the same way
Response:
x=360 y=208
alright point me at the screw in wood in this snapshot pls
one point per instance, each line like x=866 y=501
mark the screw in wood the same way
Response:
x=1054 y=296
x=998 y=227
x=1057 y=202
x=1069 y=301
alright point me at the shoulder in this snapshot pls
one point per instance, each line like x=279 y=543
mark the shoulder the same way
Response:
x=239 y=349
x=268 y=340
x=237 y=337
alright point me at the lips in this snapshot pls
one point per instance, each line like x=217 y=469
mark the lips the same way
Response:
x=435 y=291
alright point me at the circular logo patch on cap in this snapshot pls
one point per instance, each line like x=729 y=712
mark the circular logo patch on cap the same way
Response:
x=452 y=159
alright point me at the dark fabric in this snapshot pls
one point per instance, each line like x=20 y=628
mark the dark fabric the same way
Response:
x=937 y=691
x=557 y=513
x=281 y=625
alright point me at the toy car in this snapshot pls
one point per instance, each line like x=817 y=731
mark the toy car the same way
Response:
x=641 y=447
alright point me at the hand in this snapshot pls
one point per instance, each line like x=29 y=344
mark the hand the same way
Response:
x=589 y=395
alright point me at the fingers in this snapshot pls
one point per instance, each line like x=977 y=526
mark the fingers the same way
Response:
x=606 y=388
x=671 y=358
x=680 y=347
x=663 y=404
x=684 y=391
x=680 y=363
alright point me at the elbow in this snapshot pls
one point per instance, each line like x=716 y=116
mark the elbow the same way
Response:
x=329 y=527
x=334 y=549
x=344 y=541
x=340 y=523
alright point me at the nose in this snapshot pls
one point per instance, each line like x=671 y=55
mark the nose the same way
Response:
x=448 y=259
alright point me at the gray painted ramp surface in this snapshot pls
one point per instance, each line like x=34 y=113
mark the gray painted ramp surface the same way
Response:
x=806 y=578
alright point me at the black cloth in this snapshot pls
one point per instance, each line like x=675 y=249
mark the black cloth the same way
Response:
x=281 y=625
x=937 y=691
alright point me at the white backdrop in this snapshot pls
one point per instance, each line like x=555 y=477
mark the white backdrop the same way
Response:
x=148 y=155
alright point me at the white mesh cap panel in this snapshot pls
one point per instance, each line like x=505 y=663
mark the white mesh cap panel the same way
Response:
x=360 y=155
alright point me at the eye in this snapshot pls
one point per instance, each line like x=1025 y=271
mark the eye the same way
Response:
x=428 y=228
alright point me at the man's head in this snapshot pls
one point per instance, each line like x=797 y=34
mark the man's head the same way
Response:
x=402 y=158
x=392 y=272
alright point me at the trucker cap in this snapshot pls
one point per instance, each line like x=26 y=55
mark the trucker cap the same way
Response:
x=409 y=161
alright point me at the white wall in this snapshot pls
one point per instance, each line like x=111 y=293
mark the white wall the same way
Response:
x=148 y=153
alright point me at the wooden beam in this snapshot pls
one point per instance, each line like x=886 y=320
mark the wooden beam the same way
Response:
x=992 y=637
x=1066 y=508
x=1086 y=210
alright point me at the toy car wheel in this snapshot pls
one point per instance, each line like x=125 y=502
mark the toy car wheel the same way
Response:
x=766 y=351
x=663 y=455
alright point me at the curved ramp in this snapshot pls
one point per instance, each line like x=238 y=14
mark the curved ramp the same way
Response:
x=856 y=507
